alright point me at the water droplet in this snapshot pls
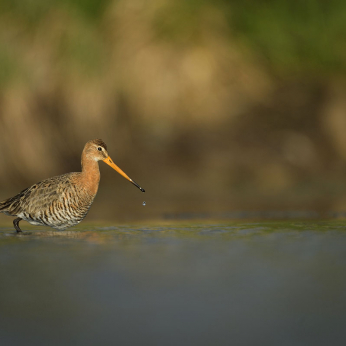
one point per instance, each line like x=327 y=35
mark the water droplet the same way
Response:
x=144 y=203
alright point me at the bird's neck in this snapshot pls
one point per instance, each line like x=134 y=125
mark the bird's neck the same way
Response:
x=90 y=174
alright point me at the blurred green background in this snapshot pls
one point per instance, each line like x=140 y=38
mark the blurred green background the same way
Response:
x=211 y=106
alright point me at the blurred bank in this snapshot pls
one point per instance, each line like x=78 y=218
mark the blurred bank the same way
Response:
x=211 y=106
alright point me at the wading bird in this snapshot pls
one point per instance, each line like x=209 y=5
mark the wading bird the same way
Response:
x=62 y=201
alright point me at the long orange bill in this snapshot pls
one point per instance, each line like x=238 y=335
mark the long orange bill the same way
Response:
x=109 y=162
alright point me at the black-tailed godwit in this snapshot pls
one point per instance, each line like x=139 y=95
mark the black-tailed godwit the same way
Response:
x=62 y=201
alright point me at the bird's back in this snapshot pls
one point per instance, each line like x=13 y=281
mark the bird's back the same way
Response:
x=59 y=202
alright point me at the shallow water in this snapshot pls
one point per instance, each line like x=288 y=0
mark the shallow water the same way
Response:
x=217 y=283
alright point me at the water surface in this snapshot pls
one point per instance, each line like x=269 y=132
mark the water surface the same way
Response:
x=216 y=283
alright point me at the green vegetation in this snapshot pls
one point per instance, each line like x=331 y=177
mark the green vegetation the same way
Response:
x=295 y=36
x=32 y=12
x=304 y=37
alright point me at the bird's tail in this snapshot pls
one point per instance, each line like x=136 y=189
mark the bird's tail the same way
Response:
x=12 y=205
x=6 y=206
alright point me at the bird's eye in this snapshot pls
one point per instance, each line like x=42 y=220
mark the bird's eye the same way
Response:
x=99 y=149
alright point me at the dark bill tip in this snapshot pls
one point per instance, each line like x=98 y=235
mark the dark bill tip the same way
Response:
x=135 y=184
